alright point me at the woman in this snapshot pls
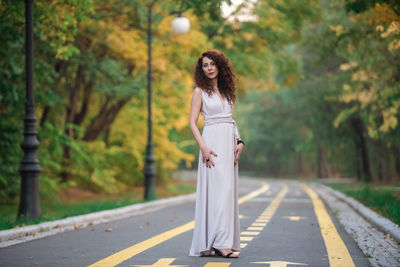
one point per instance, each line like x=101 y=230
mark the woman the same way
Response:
x=217 y=214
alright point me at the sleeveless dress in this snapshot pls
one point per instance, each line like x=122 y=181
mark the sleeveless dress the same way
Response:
x=217 y=212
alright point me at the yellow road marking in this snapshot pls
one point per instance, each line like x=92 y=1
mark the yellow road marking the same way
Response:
x=270 y=210
x=250 y=233
x=279 y=263
x=337 y=251
x=243 y=245
x=294 y=218
x=255 y=193
x=246 y=238
x=131 y=251
x=163 y=262
x=217 y=264
x=255 y=228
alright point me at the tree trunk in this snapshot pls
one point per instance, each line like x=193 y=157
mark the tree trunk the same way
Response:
x=380 y=162
x=384 y=157
x=71 y=111
x=361 y=149
x=103 y=120
x=73 y=100
x=358 y=161
x=87 y=92
x=397 y=161
x=45 y=115
x=61 y=67
x=387 y=173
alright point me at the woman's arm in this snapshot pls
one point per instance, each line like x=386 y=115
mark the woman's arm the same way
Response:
x=195 y=108
x=239 y=147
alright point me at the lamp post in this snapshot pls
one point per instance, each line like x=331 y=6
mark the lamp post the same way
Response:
x=149 y=170
x=180 y=25
x=29 y=205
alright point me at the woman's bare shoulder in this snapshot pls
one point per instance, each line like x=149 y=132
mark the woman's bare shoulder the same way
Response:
x=197 y=90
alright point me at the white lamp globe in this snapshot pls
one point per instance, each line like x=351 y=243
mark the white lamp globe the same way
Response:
x=180 y=25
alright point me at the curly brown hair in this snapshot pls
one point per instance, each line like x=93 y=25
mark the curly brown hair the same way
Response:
x=226 y=76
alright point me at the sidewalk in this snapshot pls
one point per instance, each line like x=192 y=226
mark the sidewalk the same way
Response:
x=19 y=235
x=375 y=235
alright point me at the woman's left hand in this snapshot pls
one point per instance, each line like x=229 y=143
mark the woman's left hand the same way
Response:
x=238 y=151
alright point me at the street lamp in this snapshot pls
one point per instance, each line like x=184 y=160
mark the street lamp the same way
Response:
x=29 y=205
x=180 y=25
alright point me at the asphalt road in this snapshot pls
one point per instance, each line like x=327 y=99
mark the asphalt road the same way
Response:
x=283 y=223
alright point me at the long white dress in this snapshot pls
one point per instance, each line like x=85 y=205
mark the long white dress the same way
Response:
x=217 y=212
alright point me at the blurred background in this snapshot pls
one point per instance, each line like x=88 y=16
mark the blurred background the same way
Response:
x=318 y=86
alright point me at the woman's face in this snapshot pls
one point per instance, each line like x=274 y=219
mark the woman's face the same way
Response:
x=210 y=68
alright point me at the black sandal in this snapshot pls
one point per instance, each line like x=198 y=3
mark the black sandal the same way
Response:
x=225 y=256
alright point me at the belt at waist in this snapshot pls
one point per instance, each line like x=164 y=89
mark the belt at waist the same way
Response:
x=216 y=120
x=211 y=121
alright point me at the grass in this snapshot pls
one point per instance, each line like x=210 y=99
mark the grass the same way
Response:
x=53 y=210
x=77 y=202
x=383 y=199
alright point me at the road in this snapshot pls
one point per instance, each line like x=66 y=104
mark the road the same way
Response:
x=283 y=223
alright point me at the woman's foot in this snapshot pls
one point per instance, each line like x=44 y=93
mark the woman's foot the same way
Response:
x=226 y=253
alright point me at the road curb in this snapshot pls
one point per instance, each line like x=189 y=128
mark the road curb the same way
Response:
x=14 y=236
x=379 y=221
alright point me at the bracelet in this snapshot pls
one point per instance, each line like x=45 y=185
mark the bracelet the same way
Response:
x=240 y=141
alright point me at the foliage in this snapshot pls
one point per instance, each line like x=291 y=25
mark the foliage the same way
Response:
x=337 y=105
x=318 y=85
x=90 y=80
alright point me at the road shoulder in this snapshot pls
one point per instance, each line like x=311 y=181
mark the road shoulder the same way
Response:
x=380 y=248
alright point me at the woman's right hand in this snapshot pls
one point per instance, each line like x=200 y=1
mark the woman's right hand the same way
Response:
x=207 y=152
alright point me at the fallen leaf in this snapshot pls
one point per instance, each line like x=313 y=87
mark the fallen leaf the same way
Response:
x=77 y=226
